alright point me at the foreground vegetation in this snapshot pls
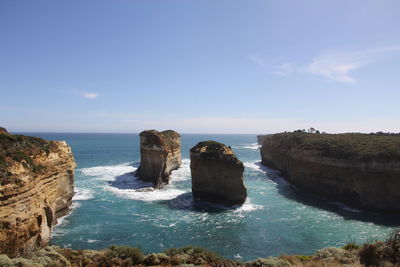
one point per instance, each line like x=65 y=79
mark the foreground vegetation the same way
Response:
x=351 y=146
x=378 y=253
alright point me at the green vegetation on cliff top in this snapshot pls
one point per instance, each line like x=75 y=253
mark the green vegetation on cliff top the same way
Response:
x=352 y=146
x=21 y=148
x=212 y=146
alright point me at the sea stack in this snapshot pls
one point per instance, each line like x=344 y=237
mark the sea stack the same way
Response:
x=37 y=186
x=160 y=153
x=217 y=174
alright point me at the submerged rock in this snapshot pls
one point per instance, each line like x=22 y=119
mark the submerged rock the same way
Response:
x=37 y=186
x=217 y=174
x=160 y=153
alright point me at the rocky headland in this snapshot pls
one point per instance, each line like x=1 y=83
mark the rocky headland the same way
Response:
x=217 y=174
x=36 y=188
x=360 y=170
x=261 y=138
x=160 y=153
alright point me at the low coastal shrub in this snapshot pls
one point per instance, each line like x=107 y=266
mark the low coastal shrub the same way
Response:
x=196 y=255
x=304 y=257
x=351 y=245
x=5 y=261
x=125 y=252
x=156 y=259
x=269 y=262
x=380 y=253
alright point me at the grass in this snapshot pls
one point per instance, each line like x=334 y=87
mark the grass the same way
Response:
x=351 y=245
x=351 y=146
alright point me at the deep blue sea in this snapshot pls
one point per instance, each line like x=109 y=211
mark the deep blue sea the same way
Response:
x=276 y=219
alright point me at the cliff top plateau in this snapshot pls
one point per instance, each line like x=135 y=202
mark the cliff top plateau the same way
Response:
x=213 y=150
x=157 y=138
x=22 y=149
x=347 y=146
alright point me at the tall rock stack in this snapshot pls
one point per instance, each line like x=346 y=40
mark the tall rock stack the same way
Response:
x=160 y=153
x=37 y=186
x=217 y=174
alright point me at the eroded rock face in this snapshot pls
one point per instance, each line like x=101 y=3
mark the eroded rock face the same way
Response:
x=261 y=138
x=160 y=153
x=37 y=186
x=217 y=174
x=362 y=183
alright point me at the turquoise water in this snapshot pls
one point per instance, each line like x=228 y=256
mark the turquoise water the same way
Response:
x=276 y=219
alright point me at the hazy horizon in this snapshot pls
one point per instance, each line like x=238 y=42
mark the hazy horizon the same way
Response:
x=200 y=66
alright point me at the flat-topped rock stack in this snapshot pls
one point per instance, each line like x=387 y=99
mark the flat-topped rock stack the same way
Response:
x=160 y=154
x=217 y=174
x=36 y=188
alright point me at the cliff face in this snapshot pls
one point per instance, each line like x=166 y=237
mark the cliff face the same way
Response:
x=36 y=188
x=160 y=153
x=359 y=170
x=261 y=138
x=217 y=174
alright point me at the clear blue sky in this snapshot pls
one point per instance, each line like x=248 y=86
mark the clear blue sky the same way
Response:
x=200 y=66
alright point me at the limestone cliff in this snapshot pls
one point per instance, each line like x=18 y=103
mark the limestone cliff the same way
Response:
x=36 y=188
x=261 y=138
x=360 y=170
x=217 y=174
x=160 y=153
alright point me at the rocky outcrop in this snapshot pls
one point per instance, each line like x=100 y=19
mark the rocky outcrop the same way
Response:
x=261 y=138
x=217 y=174
x=360 y=170
x=37 y=186
x=160 y=153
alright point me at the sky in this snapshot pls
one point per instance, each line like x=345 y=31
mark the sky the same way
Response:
x=205 y=66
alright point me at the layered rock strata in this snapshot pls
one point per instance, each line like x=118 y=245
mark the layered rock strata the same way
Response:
x=37 y=186
x=217 y=174
x=160 y=154
x=360 y=170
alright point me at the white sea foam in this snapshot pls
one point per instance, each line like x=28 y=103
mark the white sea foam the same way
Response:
x=82 y=194
x=156 y=195
x=248 y=207
x=108 y=173
x=253 y=146
x=183 y=173
x=56 y=230
x=253 y=166
x=92 y=240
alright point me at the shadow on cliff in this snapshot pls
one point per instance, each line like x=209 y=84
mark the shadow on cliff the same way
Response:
x=348 y=213
x=186 y=202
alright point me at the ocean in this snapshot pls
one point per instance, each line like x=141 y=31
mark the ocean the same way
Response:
x=276 y=219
